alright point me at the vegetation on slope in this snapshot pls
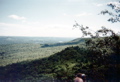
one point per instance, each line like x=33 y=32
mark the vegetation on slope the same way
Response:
x=73 y=42
x=99 y=60
x=59 y=66
x=97 y=63
x=14 y=53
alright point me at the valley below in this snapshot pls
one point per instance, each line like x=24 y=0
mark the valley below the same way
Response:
x=18 y=49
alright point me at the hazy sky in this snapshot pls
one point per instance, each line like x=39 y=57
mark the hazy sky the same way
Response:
x=51 y=17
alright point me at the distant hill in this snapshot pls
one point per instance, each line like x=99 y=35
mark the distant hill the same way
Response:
x=17 y=49
x=73 y=42
x=40 y=40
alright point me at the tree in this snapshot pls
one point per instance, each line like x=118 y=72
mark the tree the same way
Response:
x=115 y=17
x=64 y=72
x=104 y=47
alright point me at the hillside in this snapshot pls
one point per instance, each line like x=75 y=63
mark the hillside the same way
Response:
x=18 y=51
x=79 y=41
x=31 y=61
x=93 y=60
x=42 y=69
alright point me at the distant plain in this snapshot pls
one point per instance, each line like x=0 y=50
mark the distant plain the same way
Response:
x=17 y=49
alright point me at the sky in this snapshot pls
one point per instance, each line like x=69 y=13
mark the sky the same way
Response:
x=52 y=18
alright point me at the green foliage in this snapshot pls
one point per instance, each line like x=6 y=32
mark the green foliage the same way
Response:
x=99 y=61
x=104 y=55
x=14 y=53
x=60 y=66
